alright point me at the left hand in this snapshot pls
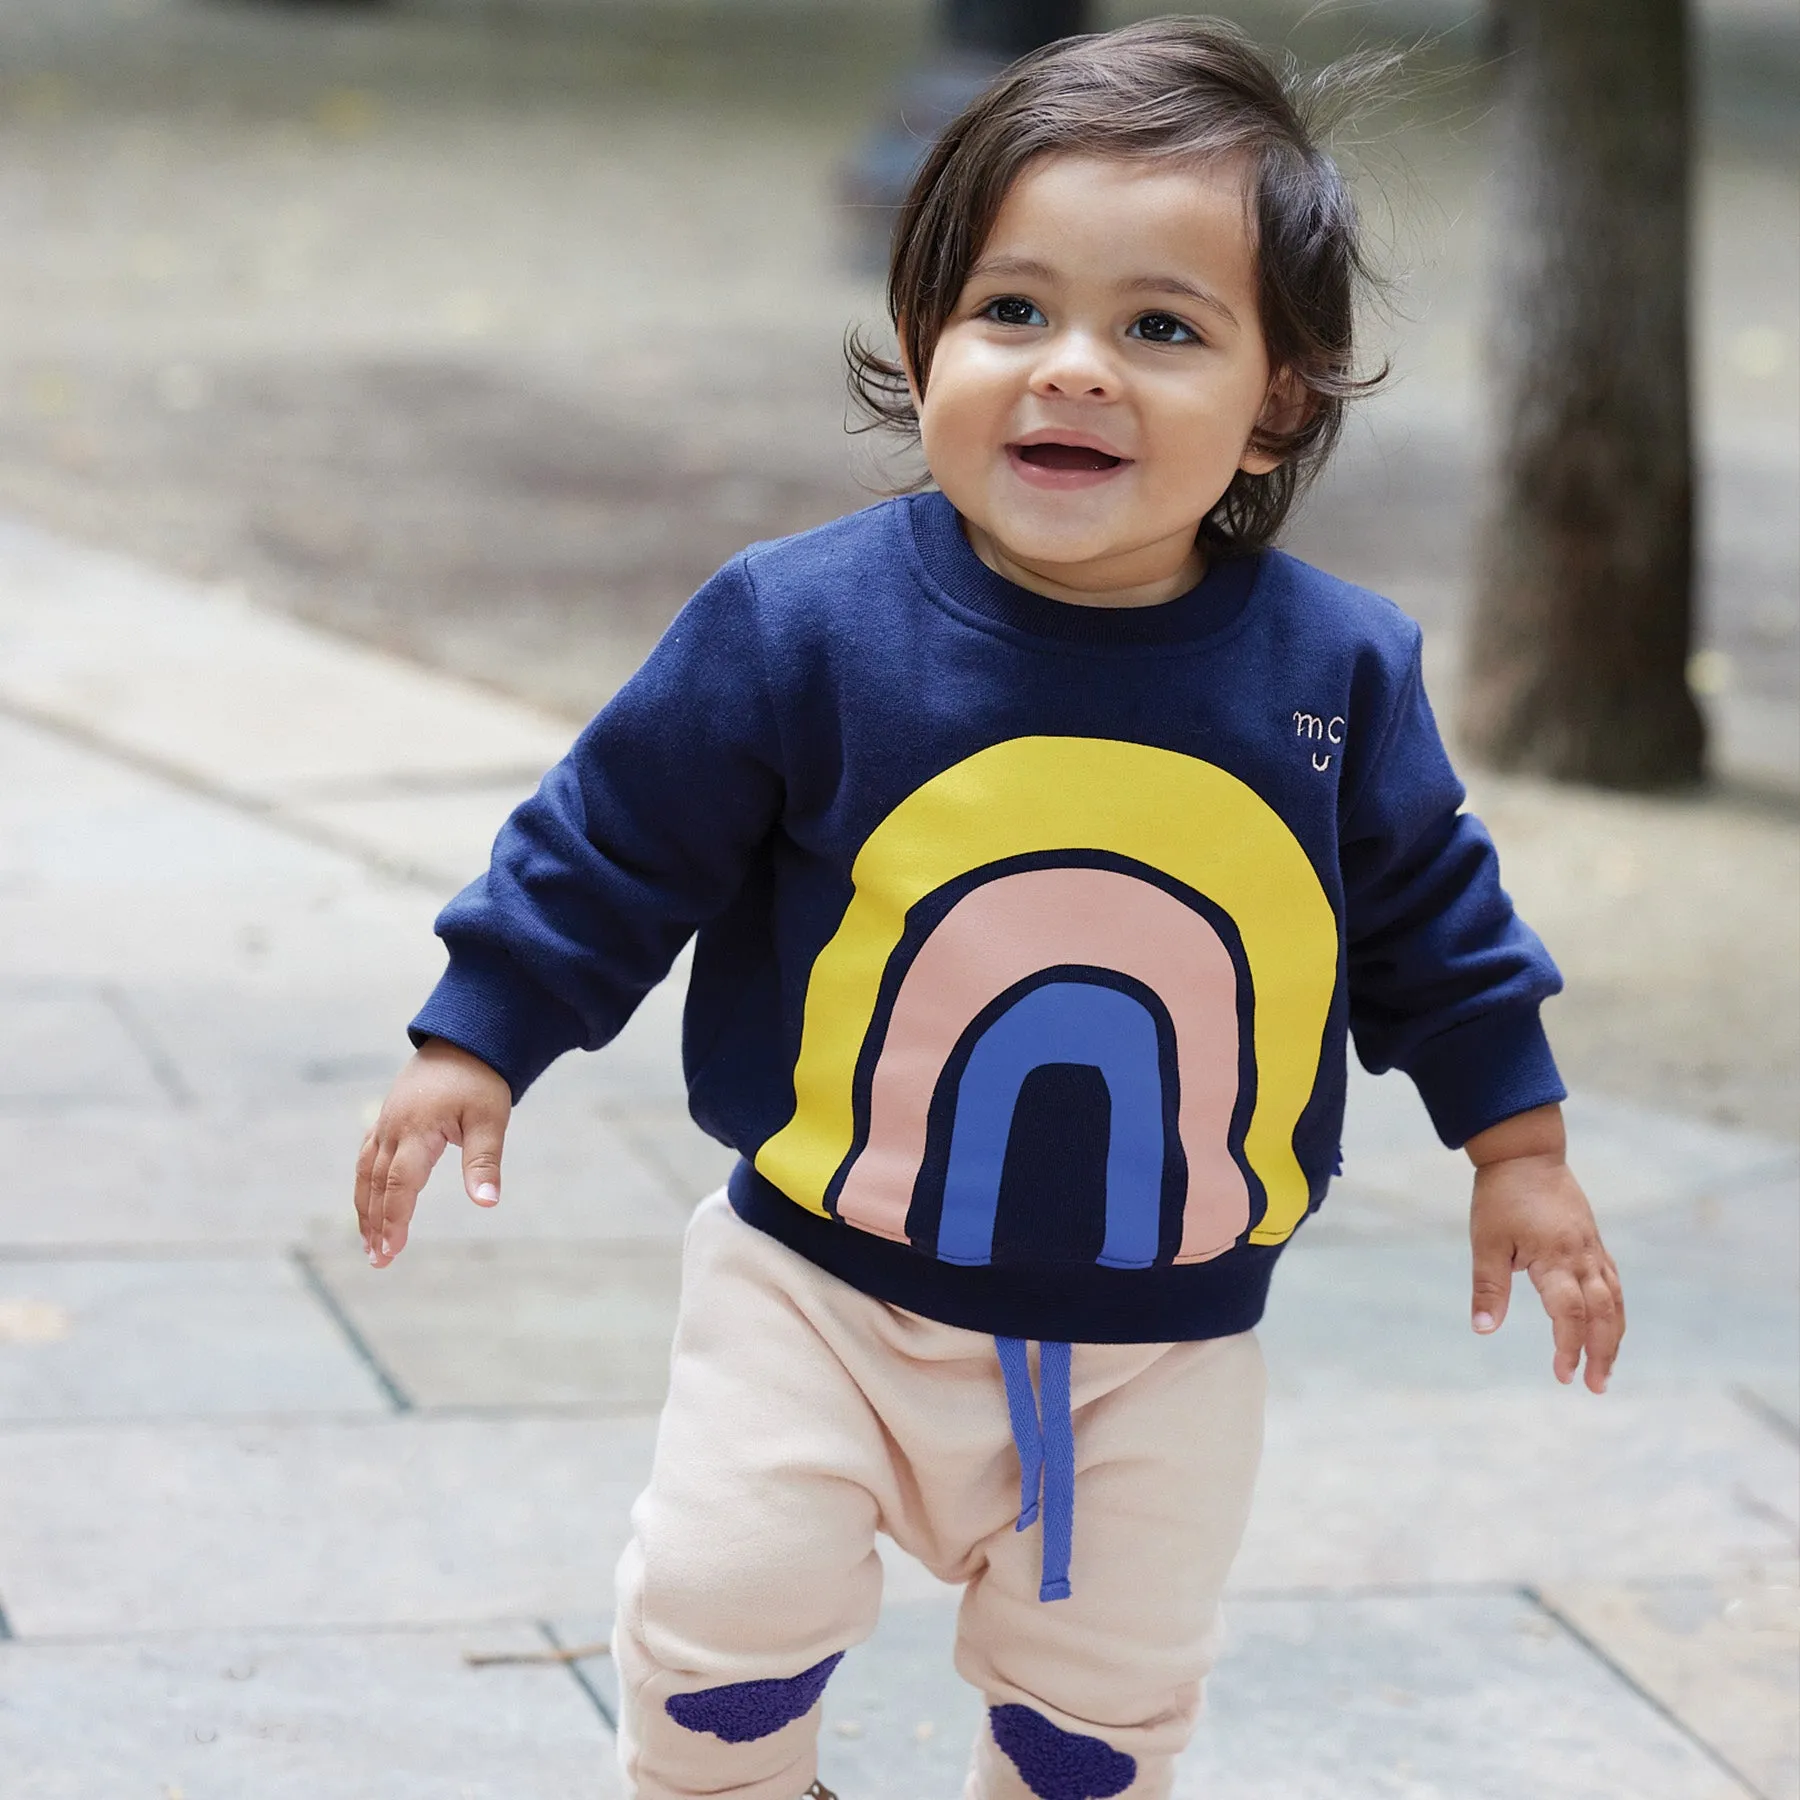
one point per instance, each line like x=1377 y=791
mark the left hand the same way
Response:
x=1529 y=1213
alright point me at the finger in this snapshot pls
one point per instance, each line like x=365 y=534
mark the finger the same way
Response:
x=407 y=1174
x=1561 y=1295
x=365 y=1164
x=1604 y=1329
x=1492 y=1286
x=378 y=1175
x=481 y=1146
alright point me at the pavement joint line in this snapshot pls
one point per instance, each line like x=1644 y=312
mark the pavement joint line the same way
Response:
x=493 y=1622
x=22 y=1106
x=420 y=784
x=1403 y=1590
x=174 y=1421
x=1758 y=1508
x=307 y=1629
x=163 y=1066
x=252 y=806
x=1770 y=1415
x=397 y=1396
x=1654 y=1701
x=243 y=1249
x=413 y=1415
x=169 y=1250
x=548 y=1632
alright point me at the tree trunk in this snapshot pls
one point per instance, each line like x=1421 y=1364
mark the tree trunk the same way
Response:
x=1583 y=618
x=1008 y=28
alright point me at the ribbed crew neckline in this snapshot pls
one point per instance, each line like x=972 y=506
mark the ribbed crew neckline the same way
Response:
x=949 y=559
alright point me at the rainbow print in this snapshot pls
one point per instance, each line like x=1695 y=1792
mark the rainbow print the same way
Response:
x=1078 y=901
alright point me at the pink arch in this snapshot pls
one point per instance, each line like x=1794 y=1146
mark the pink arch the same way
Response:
x=1010 y=928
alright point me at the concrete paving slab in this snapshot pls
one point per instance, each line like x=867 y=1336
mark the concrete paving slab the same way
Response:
x=448 y=834
x=1739 y=1234
x=344 y=1716
x=693 y=1165
x=641 y=1067
x=231 y=1177
x=262 y=943
x=247 y=701
x=1630 y=1158
x=1776 y=1401
x=899 y=1721
x=224 y=1179
x=73 y=817
x=1722 y=1656
x=568 y=1174
x=1431 y=1697
x=1437 y=1697
x=410 y=1521
x=270 y=1037
x=66 y=1044
x=519 y=1324
x=1396 y=1314
x=1382 y=1490
x=179 y=1337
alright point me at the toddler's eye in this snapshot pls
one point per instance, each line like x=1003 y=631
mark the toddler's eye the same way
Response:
x=1163 y=328
x=1009 y=309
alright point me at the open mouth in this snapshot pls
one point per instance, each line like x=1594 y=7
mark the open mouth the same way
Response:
x=1070 y=458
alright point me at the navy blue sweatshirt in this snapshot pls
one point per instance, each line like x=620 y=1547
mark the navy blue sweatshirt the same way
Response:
x=1028 y=934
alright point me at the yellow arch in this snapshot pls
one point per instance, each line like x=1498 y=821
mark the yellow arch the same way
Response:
x=1174 y=813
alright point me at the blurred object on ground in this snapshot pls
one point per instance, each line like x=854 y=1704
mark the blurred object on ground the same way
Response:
x=973 y=41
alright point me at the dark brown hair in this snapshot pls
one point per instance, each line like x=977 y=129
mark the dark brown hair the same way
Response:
x=1168 y=90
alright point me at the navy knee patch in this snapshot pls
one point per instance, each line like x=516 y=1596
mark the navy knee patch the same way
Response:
x=1057 y=1764
x=744 y=1711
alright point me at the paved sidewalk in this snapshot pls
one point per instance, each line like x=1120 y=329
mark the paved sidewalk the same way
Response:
x=256 y=1502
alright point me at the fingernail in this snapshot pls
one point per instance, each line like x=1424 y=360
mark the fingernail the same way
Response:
x=374 y=1260
x=487 y=1193
x=385 y=1251
x=1484 y=1321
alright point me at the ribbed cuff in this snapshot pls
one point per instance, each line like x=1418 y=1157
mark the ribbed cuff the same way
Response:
x=487 y=1005
x=1486 y=1070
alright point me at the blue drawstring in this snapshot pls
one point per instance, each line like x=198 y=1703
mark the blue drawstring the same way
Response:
x=1046 y=1448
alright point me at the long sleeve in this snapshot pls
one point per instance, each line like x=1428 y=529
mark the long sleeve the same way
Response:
x=1445 y=978
x=642 y=833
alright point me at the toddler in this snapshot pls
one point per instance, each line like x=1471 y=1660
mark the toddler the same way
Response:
x=1043 y=837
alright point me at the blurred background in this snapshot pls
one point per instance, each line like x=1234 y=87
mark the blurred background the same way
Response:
x=484 y=330
x=376 y=381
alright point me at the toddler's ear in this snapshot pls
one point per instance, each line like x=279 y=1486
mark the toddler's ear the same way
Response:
x=1286 y=409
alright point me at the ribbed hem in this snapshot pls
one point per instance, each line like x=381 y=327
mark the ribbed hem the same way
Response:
x=485 y=1004
x=1083 y=1304
x=1204 y=610
x=1489 y=1069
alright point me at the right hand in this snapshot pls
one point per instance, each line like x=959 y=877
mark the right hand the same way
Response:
x=443 y=1096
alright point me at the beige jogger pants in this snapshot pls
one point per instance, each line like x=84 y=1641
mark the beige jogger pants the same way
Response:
x=804 y=1417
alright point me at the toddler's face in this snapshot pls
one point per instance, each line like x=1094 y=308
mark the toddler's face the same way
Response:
x=1095 y=388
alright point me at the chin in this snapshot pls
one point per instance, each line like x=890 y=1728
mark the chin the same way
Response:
x=1037 y=544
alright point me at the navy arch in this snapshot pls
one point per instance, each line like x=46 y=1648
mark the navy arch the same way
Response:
x=1061 y=1022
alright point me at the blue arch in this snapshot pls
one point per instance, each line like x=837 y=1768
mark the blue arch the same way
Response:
x=1060 y=1022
